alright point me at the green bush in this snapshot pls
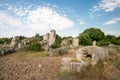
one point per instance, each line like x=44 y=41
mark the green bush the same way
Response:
x=5 y=40
x=103 y=43
x=116 y=41
x=94 y=33
x=33 y=46
x=84 y=39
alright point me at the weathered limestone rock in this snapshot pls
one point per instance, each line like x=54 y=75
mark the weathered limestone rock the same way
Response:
x=44 y=45
x=52 y=37
x=20 y=45
x=25 y=41
x=5 y=51
x=73 y=67
x=46 y=37
x=14 y=41
x=94 y=43
x=58 y=52
x=64 y=42
x=92 y=54
x=75 y=42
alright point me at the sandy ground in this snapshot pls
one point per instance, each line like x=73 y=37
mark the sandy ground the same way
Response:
x=17 y=66
x=39 y=66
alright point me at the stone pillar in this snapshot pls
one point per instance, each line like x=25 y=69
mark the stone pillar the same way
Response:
x=75 y=42
x=14 y=41
x=52 y=37
x=46 y=37
x=20 y=45
x=94 y=43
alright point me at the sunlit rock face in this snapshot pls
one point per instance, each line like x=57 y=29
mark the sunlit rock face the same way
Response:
x=46 y=37
x=75 y=42
x=14 y=41
x=92 y=54
x=52 y=37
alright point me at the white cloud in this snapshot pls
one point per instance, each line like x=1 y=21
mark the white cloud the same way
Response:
x=46 y=18
x=106 y=5
x=113 y=21
x=6 y=20
x=81 y=21
x=29 y=21
x=116 y=33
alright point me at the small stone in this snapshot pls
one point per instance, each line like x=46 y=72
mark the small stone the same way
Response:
x=39 y=65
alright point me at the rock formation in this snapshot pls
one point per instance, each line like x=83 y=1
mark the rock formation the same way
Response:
x=64 y=42
x=75 y=42
x=46 y=37
x=85 y=56
x=92 y=53
x=68 y=65
x=94 y=43
x=14 y=41
x=48 y=40
x=58 y=52
x=52 y=37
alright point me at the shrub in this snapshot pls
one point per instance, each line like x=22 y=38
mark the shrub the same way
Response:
x=103 y=43
x=33 y=46
x=94 y=33
x=116 y=41
x=5 y=40
x=84 y=39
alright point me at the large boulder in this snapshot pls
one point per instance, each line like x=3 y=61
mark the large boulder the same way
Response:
x=58 y=52
x=92 y=54
x=72 y=65
x=5 y=51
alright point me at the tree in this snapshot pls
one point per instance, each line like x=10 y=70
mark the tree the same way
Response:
x=84 y=39
x=94 y=33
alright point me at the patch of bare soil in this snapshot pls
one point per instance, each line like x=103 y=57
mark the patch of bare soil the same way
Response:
x=30 y=66
x=39 y=66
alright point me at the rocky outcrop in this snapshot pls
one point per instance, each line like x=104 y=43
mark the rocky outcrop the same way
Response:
x=14 y=41
x=59 y=51
x=52 y=37
x=75 y=42
x=94 y=43
x=92 y=54
x=48 y=40
x=68 y=65
x=5 y=51
x=46 y=37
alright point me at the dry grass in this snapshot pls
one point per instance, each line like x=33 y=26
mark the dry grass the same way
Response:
x=24 y=55
x=20 y=65
x=74 y=60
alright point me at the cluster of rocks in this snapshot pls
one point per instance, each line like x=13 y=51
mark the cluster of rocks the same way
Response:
x=15 y=45
x=48 y=40
x=71 y=42
x=89 y=55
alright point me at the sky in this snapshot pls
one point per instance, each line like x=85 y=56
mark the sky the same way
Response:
x=67 y=17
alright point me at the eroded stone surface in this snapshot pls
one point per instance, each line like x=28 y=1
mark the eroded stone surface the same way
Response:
x=52 y=37
x=93 y=53
x=72 y=67
x=75 y=42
